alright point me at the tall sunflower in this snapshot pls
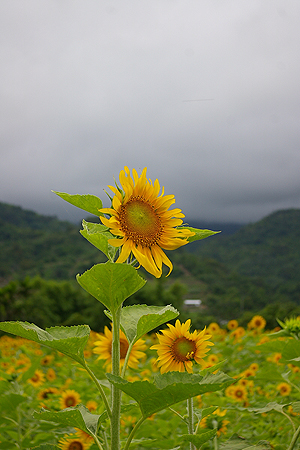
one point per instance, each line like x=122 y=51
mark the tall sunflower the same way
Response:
x=103 y=348
x=178 y=348
x=143 y=223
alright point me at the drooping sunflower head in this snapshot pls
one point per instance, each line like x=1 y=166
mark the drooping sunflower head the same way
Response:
x=144 y=225
x=178 y=348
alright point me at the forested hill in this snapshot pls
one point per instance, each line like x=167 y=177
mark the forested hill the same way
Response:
x=32 y=244
x=243 y=270
x=269 y=249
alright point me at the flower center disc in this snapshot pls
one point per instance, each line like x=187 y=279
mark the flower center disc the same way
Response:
x=140 y=222
x=123 y=348
x=183 y=349
x=75 y=445
x=70 y=401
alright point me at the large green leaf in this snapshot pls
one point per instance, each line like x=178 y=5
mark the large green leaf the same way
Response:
x=111 y=283
x=272 y=406
x=199 y=234
x=137 y=320
x=78 y=416
x=238 y=443
x=98 y=235
x=169 y=388
x=89 y=203
x=200 y=438
x=70 y=341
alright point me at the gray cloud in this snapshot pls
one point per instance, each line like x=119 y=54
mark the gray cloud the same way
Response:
x=205 y=94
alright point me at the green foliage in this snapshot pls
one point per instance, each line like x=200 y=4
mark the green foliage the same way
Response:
x=70 y=341
x=169 y=389
x=111 y=283
x=49 y=303
x=138 y=320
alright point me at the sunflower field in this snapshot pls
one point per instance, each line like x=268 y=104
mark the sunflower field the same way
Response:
x=260 y=409
x=143 y=384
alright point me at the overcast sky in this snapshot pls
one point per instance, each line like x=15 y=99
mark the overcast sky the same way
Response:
x=205 y=93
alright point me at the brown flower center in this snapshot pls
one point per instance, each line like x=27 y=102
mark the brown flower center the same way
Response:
x=70 y=401
x=75 y=445
x=140 y=222
x=183 y=349
x=123 y=348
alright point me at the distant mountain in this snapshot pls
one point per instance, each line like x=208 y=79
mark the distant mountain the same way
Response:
x=239 y=271
x=32 y=244
x=269 y=248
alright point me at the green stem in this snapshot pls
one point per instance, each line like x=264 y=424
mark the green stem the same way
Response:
x=126 y=359
x=133 y=431
x=116 y=393
x=294 y=439
x=98 y=442
x=100 y=388
x=190 y=410
x=216 y=444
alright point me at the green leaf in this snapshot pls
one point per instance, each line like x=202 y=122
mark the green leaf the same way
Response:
x=169 y=388
x=291 y=351
x=200 y=438
x=70 y=341
x=98 y=235
x=138 y=320
x=199 y=234
x=201 y=413
x=111 y=283
x=272 y=406
x=45 y=447
x=238 y=443
x=9 y=402
x=89 y=203
x=296 y=407
x=78 y=417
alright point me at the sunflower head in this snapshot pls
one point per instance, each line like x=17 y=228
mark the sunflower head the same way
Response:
x=142 y=222
x=178 y=348
x=257 y=323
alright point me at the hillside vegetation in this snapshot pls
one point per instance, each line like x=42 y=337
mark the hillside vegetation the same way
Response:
x=245 y=270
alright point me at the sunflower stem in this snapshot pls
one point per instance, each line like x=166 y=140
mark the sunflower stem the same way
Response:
x=133 y=431
x=116 y=393
x=126 y=359
x=102 y=393
x=294 y=439
x=190 y=411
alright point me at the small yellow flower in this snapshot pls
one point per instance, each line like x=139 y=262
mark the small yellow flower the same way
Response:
x=284 y=389
x=232 y=324
x=257 y=322
x=178 y=348
x=103 y=348
x=46 y=360
x=92 y=405
x=142 y=222
x=238 y=333
x=51 y=375
x=47 y=393
x=37 y=379
x=69 y=398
